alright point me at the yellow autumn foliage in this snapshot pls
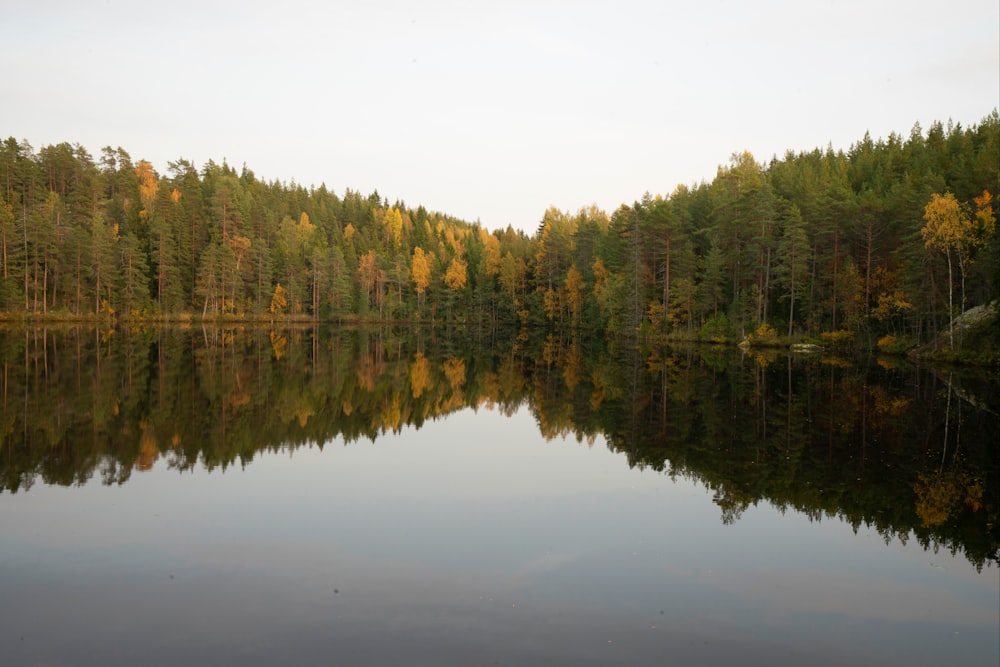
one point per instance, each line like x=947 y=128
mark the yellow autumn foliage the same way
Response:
x=420 y=270
x=455 y=276
x=420 y=375
x=454 y=371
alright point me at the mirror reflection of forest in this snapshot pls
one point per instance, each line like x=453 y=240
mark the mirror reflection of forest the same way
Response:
x=872 y=441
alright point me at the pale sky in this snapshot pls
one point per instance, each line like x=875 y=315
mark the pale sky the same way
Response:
x=490 y=110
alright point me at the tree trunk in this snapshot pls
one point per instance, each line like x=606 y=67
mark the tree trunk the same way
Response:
x=836 y=267
x=951 y=305
x=666 y=283
x=791 y=289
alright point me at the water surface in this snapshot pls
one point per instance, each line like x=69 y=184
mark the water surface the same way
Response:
x=456 y=512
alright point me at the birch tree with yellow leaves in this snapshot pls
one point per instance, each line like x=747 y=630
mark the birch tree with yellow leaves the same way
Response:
x=950 y=229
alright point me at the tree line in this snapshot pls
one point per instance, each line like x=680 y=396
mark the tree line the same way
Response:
x=892 y=237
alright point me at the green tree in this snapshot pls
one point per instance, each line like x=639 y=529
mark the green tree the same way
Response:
x=169 y=288
x=8 y=253
x=134 y=288
x=104 y=246
x=792 y=266
x=340 y=282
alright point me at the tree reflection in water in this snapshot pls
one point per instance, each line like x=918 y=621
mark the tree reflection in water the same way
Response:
x=880 y=443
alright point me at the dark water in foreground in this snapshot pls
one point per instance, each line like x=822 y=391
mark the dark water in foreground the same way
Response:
x=384 y=498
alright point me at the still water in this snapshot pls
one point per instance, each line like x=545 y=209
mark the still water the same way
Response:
x=476 y=531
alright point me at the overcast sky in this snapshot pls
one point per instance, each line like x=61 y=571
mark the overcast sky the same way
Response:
x=490 y=110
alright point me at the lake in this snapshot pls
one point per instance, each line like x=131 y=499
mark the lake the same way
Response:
x=325 y=496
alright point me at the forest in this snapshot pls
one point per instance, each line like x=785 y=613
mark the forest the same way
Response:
x=885 y=242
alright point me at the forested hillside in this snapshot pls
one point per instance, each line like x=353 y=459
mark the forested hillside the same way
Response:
x=891 y=237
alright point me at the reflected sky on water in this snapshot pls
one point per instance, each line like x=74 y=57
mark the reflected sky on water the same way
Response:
x=471 y=540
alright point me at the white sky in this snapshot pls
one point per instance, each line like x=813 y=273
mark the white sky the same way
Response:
x=490 y=110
